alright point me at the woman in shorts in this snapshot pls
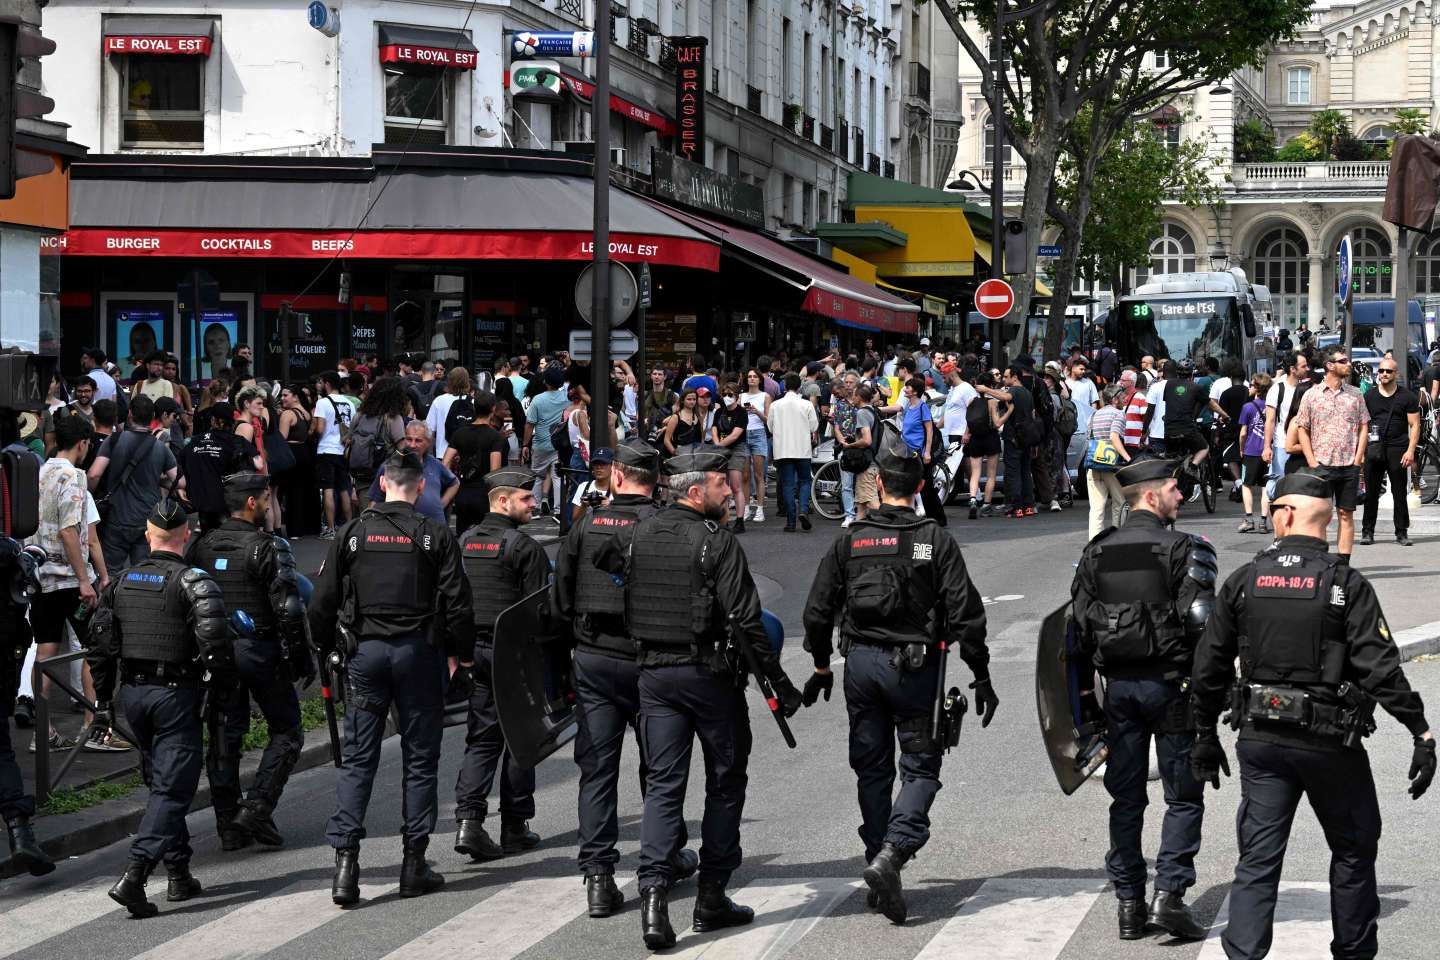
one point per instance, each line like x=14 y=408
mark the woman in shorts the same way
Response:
x=1252 y=446
x=728 y=431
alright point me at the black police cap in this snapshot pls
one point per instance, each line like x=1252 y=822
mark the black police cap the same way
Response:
x=706 y=458
x=1146 y=467
x=246 y=482
x=892 y=452
x=1302 y=483
x=635 y=452
x=403 y=459
x=517 y=477
x=168 y=515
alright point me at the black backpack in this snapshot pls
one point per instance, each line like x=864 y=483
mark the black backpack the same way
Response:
x=560 y=440
x=977 y=416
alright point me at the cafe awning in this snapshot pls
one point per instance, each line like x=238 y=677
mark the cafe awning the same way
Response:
x=160 y=36
x=426 y=47
x=641 y=113
x=828 y=292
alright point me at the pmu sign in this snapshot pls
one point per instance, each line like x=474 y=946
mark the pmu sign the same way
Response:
x=528 y=44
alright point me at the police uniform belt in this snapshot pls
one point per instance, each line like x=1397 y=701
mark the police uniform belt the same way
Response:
x=142 y=672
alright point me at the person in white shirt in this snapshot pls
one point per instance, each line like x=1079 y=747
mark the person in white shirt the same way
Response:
x=92 y=363
x=793 y=425
x=1086 y=397
x=957 y=400
x=331 y=423
x=457 y=385
x=1155 y=396
x=1279 y=403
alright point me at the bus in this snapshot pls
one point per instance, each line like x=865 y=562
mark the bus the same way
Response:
x=1188 y=316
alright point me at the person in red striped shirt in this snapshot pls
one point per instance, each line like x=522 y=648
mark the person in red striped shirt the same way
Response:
x=1135 y=408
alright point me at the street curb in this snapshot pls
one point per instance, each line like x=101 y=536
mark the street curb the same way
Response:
x=1419 y=641
x=72 y=834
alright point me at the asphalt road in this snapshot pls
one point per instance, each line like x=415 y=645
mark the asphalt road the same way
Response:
x=1014 y=869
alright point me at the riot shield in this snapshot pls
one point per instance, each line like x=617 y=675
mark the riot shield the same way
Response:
x=1076 y=750
x=534 y=695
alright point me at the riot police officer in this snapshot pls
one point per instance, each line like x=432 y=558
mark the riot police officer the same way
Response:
x=17 y=585
x=503 y=565
x=162 y=623
x=1315 y=657
x=607 y=678
x=393 y=589
x=899 y=586
x=686 y=576
x=256 y=573
x=1140 y=599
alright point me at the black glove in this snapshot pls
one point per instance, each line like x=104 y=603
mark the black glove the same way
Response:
x=791 y=700
x=817 y=684
x=462 y=684
x=985 y=701
x=1207 y=757
x=104 y=718
x=1422 y=767
x=302 y=665
x=1090 y=710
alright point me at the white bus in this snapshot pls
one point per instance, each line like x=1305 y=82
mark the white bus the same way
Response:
x=1190 y=316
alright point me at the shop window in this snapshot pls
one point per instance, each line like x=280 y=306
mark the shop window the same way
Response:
x=417 y=105
x=163 y=98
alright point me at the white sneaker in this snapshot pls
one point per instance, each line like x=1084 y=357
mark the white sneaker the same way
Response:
x=750 y=509
x=847 y=521
x=759 y=513
x=1054 y=506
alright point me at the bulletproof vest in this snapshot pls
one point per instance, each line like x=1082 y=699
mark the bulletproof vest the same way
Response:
x=1133 y=585
x=230 y=556
x=1295 y=620
x=492 y=586
x=153 y=616
x=596 y=591
x=667 y=603
x=389 y=573
x=885 y=587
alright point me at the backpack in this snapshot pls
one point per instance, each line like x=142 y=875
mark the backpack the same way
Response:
x=560 y=440
x=1068 y=420
x=368 y=447
x=422 y=394
x=977 y=416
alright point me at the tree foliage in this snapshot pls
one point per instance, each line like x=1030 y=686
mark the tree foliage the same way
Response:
x=1254 y=142
x=1410 y=120
x=1331 y=128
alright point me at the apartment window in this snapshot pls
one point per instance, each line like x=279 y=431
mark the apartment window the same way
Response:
x=417 y=105
x=1297 y=85
x=1009 y=156
x=1168 y=132
x=1163 y=60
x=787 y=79
x=807 y=205
x=808 y=59
x=787 y=199
x=163 y=97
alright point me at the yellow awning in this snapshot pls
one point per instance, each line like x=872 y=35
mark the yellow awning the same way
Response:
x=859 y=269
x=934 y=306
x=983 y=252
x=939 y=241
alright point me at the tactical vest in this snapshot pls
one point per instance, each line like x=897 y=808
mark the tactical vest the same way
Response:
x=389 y=573
x=884 y=588
x=1295 y=620
x=230 y=556
x=596 y=591
x=1134 y=587
x=492 y=586
x=668 y=603
x=153 y=618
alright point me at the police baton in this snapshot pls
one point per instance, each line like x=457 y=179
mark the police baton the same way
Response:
x=766 y=690
x=332 y=679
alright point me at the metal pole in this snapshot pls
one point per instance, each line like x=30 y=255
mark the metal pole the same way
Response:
x=284 y=345
x=600 y=303
x=1401 y=342
x=997 y=182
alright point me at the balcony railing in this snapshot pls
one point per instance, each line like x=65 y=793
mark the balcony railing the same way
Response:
x=872 y=164
x=919 y=81
x=859 y=146
x=752 y=99
x=1014 y=175
x=842 y=140
x=827 y=138
x=1311 y=176
x=807 y=127
x=890 y=169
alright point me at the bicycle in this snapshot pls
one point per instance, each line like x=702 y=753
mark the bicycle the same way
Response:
x=825 y=492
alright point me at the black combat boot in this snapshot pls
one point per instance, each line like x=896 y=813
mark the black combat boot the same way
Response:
x=254 y=820
x=603 y=897
x=129 y=890
x=683 y=865
x=345 y=890
x=715 y=911
x=1169 y=912
x=182 y=883
x=25 y=850
x=655 y=918
x=231 y=837
x=416 y=876
x=472 y=840
x=883 y=878
x=1133 y=919
x=516 y=836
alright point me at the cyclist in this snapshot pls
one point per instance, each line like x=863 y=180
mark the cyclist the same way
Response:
x=1185 y=403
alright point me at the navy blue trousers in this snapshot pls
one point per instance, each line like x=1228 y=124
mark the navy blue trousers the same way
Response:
x=265 y=679
x=486 y=755
x=169 y=736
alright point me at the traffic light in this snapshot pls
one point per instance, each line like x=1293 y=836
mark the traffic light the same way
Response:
x=1017 y=246
x=20 y=95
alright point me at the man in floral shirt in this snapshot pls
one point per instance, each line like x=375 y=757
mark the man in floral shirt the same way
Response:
x=1333 y=422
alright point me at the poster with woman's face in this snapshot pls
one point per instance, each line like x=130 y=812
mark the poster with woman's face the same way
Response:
x=136 y=330
x=213 y=339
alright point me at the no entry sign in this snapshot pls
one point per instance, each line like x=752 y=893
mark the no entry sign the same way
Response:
x=994 y=299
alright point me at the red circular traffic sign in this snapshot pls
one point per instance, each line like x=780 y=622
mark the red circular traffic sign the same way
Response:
x=994 y=299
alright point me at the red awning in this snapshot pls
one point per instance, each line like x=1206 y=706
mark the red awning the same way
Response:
x=640 y=113
x=426 y=47
x=172 y=36
x=829 y=292
x=380 y=245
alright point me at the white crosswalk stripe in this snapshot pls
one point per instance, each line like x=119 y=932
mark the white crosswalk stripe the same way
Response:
x=46 y=917
x=262 y=925
x=1302 y=923
x=785 y=911
x=1015 y=919
x=504 y=925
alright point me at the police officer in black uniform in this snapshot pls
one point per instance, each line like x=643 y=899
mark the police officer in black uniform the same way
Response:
x=1315 y=657
x=898 y=584
x=607 y=678
x=17 y=585
x=1141 y=596
x=503 y=565
x=162 y=623
x=256 y=573
x=686 y=577
x=392 y=591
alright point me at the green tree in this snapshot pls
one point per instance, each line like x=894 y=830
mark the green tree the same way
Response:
x=1301 y=148
x=1254 y=142
x=1331 y=128
x=1410 y=120
x=1065 y=55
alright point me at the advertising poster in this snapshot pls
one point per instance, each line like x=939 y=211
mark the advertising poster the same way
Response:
x=135 y=329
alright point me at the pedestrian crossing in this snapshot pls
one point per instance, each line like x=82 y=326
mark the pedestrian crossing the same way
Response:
x=1006 y=918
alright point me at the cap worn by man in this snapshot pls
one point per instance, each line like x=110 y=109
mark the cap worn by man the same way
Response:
x=635 y=452
x=168 y=515
x=1301 y=484
x=1146 y=468
x=246 y=482
x=705 y=459
x=602 y=455
x=404 y=460
x=510 y=477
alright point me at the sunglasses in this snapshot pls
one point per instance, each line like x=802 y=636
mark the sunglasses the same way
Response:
x=1387 y=369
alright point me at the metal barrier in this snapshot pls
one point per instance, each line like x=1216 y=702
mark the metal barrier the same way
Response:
x=54 y=667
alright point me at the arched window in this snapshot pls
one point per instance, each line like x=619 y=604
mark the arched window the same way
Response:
x=1009 y=156
x=1173 y=251
x=1427 y=266
x=1281 y=264
x=1382 y=133
x=1371 y=275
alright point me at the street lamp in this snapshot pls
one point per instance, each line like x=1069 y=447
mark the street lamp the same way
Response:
x=1219 y=257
